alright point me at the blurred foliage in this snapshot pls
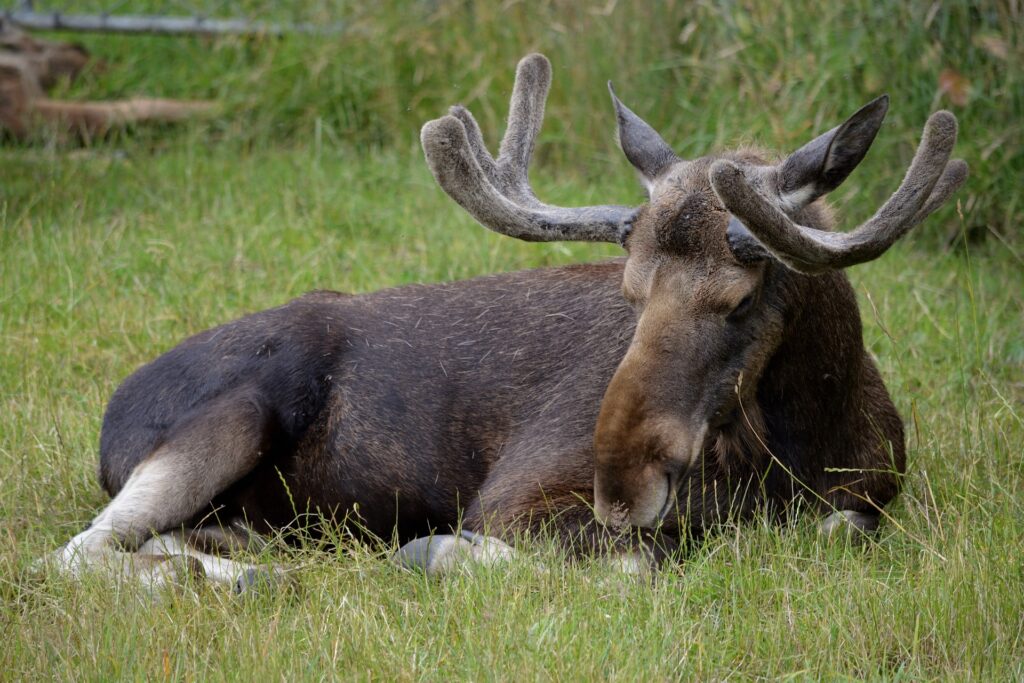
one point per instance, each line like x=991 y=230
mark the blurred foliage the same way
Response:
x=707 y=74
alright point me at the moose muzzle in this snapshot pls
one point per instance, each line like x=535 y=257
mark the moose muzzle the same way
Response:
x=641 y=461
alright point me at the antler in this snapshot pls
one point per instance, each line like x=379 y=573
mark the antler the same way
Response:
x=497 y=192
x=929 y=182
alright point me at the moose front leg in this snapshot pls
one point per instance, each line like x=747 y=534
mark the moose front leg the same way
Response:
x=849 y=521
x=571 y=523
x=858 y=490
x=445 y=553
x=209 y=550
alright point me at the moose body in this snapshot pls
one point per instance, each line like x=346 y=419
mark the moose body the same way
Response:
x=422 y=406
x=399 y=404
x=718 y=369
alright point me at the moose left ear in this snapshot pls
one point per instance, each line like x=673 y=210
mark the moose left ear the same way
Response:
x=823 y=164
x=642 y=145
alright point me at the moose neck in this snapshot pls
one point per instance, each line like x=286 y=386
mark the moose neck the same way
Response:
x=812 y=389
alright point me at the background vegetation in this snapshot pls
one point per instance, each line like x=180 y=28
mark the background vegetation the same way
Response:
x=312 y=177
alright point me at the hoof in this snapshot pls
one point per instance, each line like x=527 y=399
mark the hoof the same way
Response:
x=418 y=553
x=849 y=523
x=258 y=580
x=436 y=555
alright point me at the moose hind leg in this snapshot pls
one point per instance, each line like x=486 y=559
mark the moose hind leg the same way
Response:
x=217 y=567
x=204 y=454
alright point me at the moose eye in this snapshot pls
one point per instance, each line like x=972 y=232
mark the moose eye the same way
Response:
x=742 y=308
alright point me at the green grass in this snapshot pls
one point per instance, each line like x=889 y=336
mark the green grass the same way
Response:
x=110 y=255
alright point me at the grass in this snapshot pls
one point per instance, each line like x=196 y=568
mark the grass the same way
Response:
x=110 y=255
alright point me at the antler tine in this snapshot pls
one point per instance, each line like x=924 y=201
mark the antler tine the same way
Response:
x=525 y=114
x=953 y=176
x=497 y=193
x=929 y=181
x=476 y=141
x=525 y=117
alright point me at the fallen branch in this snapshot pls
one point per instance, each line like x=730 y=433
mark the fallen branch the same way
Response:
x=29 y=67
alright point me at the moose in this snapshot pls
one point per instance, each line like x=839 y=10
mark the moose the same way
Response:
x=717 y=370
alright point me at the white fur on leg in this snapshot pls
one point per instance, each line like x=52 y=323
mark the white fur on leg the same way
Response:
x=95 y=550
x=143 y=505
x=218 y=569
x=119 y=542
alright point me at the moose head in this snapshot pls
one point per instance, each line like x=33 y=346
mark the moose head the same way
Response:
x=731 y=256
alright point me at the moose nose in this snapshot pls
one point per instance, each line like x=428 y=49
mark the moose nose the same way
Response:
x=640 y=498
x=638 y=486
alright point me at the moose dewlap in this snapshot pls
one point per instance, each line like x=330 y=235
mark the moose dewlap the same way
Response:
x=716 y=370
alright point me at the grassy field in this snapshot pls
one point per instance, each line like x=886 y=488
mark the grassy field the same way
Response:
x=311 y=178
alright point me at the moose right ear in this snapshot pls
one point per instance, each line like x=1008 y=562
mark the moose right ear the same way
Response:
x=642 y=145
x=823 y=164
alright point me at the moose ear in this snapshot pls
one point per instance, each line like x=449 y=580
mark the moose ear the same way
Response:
x=641 y=144
x=823 y=164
